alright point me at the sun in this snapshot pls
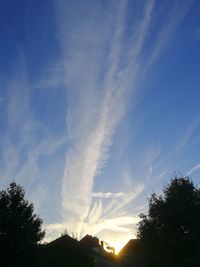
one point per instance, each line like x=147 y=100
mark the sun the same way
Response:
x=116 y=240
x=118 y=244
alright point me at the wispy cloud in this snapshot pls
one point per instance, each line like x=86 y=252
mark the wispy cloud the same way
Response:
x=18 y=123
x=188 y=134
x=21 y=144
x=98 y=94
x=54 y=230
x=102 y=68
x=167 y=30
x=102 y=64
x=194 y=169
x=106 y=194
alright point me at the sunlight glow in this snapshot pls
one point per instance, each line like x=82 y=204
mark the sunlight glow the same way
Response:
x=118 y=244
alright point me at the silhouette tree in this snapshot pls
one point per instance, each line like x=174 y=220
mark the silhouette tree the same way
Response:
x=171 y=228
x=20 y=228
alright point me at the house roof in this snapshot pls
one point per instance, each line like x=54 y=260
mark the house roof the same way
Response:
x=133 y=254
x=103 y=258
x=90 y=241
x=70 y=250
x=63 y=241
x=131 y=246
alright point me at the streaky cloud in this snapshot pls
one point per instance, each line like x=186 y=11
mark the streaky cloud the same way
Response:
x=102 y=68
x=194 y=169
x=100 y=107
x=106 y=194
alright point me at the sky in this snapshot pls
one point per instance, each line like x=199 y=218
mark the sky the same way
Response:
x=99 y=108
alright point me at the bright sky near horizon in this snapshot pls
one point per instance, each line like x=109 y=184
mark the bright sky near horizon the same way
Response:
x=99 y=107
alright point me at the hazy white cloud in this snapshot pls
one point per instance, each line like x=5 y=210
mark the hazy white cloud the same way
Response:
x=188 y=134
x=53 y=231
x=106 y=194
x=167 y=30
x=18 y=122
x=21 y=148
x=99 y=104
x=115 y=224
x=194 y=169
x=101 y=69
x=115 y=206
x=51 y=78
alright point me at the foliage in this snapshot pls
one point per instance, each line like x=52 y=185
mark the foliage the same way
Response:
x=171 y=228
x=20 y=228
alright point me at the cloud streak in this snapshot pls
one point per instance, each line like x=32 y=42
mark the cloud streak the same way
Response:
x=97 y=103
x=107 y=49
x=100 y=69
x=21 y=148
x=194 y=169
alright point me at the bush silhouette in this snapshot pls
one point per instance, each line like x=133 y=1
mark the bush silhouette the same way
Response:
x=171 y=228
x=20 y=228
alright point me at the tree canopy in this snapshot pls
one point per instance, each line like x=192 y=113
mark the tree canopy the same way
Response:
x=171 y=227
x=20 y=227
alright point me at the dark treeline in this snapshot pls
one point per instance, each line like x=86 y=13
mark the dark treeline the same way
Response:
x=20 y=228
x=21 y=234
x=168 y=234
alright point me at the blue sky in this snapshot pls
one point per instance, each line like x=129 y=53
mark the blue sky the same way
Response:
x=99 y=107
